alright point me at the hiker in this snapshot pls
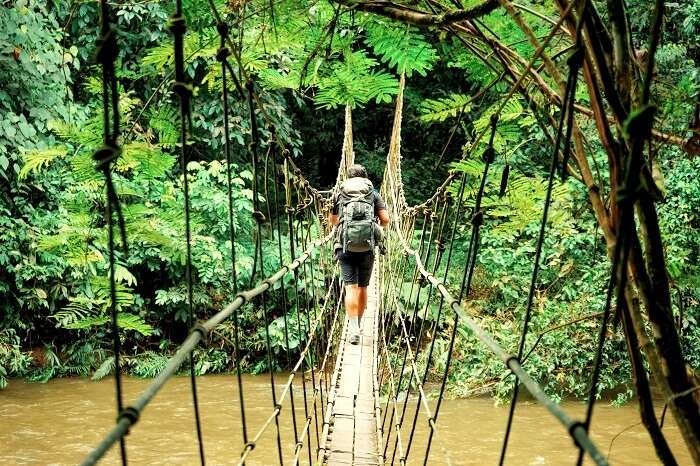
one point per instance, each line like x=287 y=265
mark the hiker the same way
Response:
x=356 y=206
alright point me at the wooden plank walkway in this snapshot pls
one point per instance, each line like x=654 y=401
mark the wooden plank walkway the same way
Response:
x=350 y=429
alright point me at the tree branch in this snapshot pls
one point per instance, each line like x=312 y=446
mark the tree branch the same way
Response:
x=409 y=15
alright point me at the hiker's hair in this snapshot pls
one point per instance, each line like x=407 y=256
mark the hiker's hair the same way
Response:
x=357 y=170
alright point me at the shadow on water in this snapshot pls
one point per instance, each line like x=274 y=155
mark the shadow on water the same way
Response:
x=57 y=423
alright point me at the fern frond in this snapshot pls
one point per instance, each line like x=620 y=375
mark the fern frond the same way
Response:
x=105 y=369
x=38 y=159
x=162 y=121
x=124 y=321
x=401 y=48
x=145 y=159
x=356 y=85
x=274 y=79
x=437 y=110
x=84 y=168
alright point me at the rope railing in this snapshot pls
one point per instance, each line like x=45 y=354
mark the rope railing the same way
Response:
x=199 y=332
x=575 y=428
x=287 y=389
x=420 y=257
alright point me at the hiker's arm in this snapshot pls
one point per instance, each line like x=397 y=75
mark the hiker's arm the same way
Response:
x=383 y=215
x=335 y=210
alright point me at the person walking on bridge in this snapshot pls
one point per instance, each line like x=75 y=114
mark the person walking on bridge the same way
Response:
x=356 y=206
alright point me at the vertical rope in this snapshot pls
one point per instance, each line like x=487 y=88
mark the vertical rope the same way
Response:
x=438 y=258
x=283 y=288
x=291 y=232
x=568 y=100
x=184 y=91
x=312 y=295
x=259 y=262
x=106 y=54
x=221 y=56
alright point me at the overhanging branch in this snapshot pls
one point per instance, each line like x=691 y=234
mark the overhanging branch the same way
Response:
x=409 y=15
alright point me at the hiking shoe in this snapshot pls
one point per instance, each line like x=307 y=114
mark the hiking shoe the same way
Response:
x=354 y=339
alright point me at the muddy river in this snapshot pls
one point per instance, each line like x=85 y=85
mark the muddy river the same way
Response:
x=58 y=423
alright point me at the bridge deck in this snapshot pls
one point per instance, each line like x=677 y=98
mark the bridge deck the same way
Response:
x=352 y=414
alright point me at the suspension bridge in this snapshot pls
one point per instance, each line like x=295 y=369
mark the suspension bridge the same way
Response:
x=353 y=397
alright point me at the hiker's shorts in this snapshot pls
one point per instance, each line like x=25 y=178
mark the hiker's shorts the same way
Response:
x=355 y=267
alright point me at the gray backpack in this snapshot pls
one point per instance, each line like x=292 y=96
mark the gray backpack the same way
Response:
x=356 y=232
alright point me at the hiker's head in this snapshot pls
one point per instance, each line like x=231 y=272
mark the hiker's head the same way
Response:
x=357 y=170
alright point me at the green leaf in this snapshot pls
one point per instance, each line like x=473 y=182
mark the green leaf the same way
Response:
x=38 y=159
x=436 y=110
x=401 y=48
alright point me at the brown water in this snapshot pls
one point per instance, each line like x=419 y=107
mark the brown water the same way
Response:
x=58 y=423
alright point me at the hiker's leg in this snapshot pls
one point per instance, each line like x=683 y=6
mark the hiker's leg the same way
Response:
x=364 y=274
x=349 y=272
x=361 y=300
x=352 y=300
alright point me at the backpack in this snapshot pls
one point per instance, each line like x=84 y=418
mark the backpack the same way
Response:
x=356 y=232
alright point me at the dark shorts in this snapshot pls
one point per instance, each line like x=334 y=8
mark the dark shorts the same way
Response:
x=355 y=267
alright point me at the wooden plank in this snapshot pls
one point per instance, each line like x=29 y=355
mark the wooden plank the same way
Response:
x=351 y=436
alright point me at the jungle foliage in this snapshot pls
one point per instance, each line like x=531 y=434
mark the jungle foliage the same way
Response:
x=309 y=61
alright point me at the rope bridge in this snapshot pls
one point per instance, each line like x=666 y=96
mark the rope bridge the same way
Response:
x=353 y=411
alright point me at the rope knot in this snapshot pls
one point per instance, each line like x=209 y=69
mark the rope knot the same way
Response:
x=183 y=89
x=243 y=296
x=639 y=122
x=478 y=218
x=575 y=60
x=489 y=155
x=431 y=422
x=440 y=244
x=199 y=328
x=250 y=445
x=269 y=283
x=222 y=54
x=129 y=413
x=447 y=197
x=107 y=49
x=178 y=25
x=222 y=28
x=572 y=430
x=259 y=217
x=105 y=155
x=512 y=360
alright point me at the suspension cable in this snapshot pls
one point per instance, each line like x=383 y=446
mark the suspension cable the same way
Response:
x=184 y=91
x=104 y=157
x=575 y=63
